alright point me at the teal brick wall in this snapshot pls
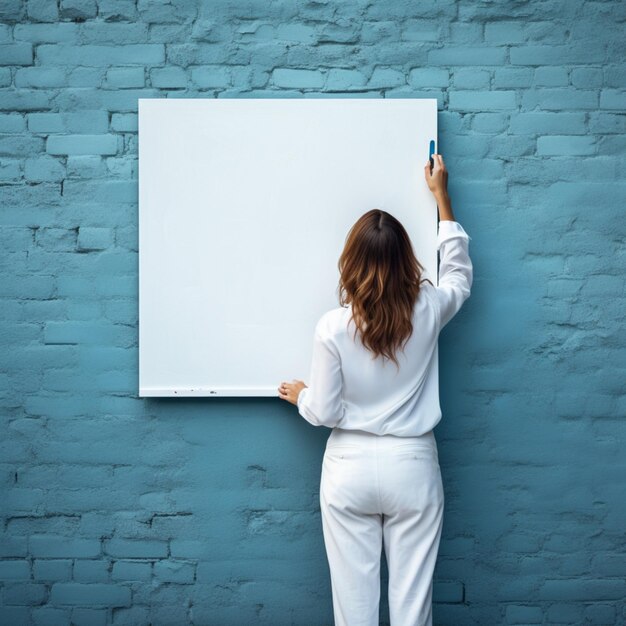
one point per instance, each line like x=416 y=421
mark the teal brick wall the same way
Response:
x=120 y=510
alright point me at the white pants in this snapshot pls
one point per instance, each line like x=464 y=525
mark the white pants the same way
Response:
x=381 y=490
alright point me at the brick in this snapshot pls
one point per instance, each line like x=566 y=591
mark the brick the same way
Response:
x=14 y=570
x=168 y=78
x=94 y=617
x=297 y=78
x=40 y=77
x=21 y=593
x=429 y=77
x=613 y=99
x=125 y=77
x=448 y=592
x=548 y=123
x=512 y=77
x=466 y=78
x=520 y=614
x=101 y=56
x=55 y=546
x=551 y=77
x=482 y=100
x=302 y=33
x=582 y=589
x=43 y=169
x=12 y=546
x=467 y=56
x=136 y=549
x=559 y=99
x=52 y=570
x=42 y=11
x=386 y=77
x=564 y=145
x=506 y=32
x=174 y=571
x=555 y=55
x=94 y=238
x=131 y=571
x=78 y=9
x=91 y=571
x=96 y=594
x=16 y=54
x=82 y=144
x=211 y=76
x=420 y=30
x=343 y=80
x=586 y=77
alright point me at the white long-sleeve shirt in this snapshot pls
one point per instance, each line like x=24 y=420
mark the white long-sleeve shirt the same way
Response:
x=350 y=389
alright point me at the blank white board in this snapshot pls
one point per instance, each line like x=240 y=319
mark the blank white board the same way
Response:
x=244 y=207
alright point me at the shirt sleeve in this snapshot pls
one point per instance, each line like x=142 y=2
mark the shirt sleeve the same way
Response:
x=321 y=402
x=455 y=270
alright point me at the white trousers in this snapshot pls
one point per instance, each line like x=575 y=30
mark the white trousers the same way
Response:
x=381 y=491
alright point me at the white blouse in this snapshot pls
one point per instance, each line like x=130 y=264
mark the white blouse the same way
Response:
x=350 y=389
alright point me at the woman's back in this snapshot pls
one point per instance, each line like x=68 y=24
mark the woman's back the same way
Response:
x=351 y=389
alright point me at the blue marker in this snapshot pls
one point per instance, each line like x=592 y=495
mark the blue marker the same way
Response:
x=431 y=151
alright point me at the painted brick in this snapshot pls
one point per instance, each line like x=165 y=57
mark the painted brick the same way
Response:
x=552 y=77
x=559 y=99
x=101 y=56
x=555 y=145
x=506 y=32
x=16 y=54
x=168 y=78
x=94 y=238
x=512 y=77
x=95 y=617
x=96 y=594
x=470 y=78
x=82 y=144
x=297 y=78
x=43 y=169
x=174 y=571
x=40 y=77
x=91 y=571
x=613 y=99
x=14 y=570
x=53 y=546
x=555 y=55
x=467 y=56
x=125 y=77
x=548 y=123
x=136 y=549
x=481 y=100
x=429 y=77
x=211 y=76
x=52 y=569
x=340 y=79
x=386 y=77
x=21 y=593
x=582 y=589
x=131 y=570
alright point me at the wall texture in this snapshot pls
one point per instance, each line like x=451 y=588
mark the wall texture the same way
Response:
x=120 y=510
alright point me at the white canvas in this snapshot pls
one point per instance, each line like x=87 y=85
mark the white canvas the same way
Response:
x=244 y=207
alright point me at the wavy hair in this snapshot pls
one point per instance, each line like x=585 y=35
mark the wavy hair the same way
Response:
x=381 y=277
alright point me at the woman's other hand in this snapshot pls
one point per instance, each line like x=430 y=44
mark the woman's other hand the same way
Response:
x=291 y=391
x=437 y=180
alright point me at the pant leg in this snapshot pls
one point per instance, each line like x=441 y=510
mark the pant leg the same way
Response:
x=352 y=529
x=412 y=527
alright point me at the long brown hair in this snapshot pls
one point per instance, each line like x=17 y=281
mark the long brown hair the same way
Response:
x=381 y=277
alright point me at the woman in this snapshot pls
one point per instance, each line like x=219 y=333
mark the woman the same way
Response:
x=374 y=382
